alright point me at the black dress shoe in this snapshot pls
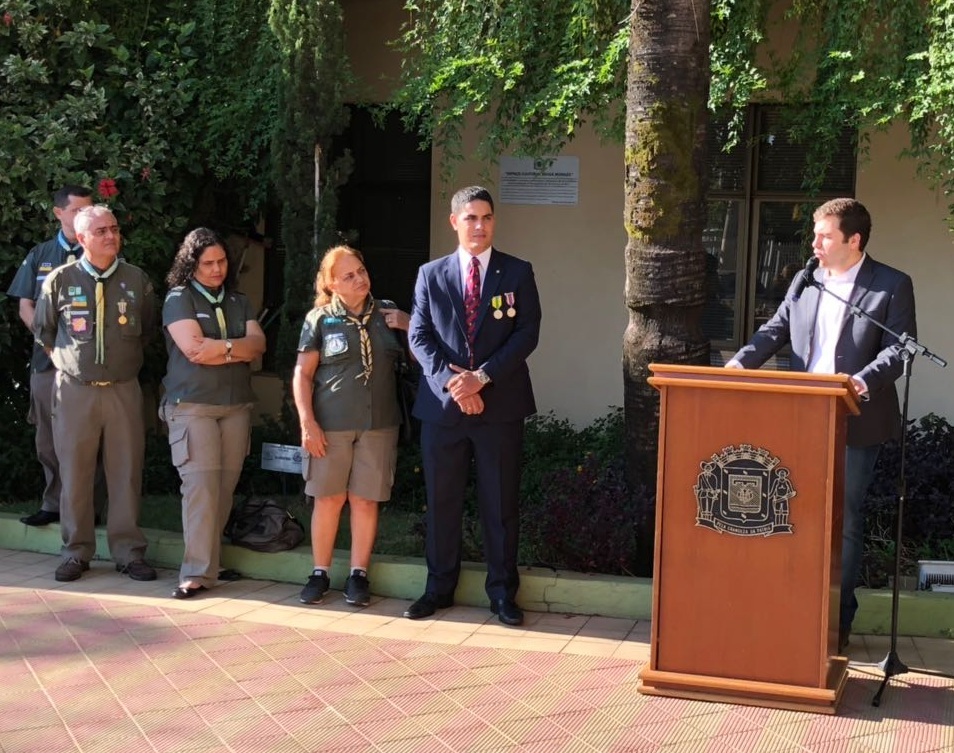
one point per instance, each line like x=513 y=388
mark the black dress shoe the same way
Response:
x=507 y=612
x=427 y=605
x=230 y=575
x=41 y=518
x=184 y=592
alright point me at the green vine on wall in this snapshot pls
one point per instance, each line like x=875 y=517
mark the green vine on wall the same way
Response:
x=313 y=78
x=532 y=72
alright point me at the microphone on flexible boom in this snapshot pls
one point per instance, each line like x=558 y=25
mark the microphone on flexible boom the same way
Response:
x=807 y=280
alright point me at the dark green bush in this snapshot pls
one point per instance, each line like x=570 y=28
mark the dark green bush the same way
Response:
x=928 y=524
x=576 y=511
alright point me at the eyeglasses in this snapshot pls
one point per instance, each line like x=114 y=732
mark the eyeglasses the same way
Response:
x=100 y=232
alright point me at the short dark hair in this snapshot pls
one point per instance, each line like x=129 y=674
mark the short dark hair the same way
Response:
x=471 y=193
x=187 y=257
x=62 y=197
x=852 y=218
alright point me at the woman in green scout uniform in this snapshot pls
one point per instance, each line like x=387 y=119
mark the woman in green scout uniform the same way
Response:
x=345 y=392
x=211 y=336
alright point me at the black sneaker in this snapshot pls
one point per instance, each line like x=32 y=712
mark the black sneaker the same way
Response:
x=316 y=587
x=357 y=589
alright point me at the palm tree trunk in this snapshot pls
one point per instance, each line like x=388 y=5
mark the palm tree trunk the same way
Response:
x=664 y=214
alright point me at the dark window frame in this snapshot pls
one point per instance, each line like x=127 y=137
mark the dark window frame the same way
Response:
x=736 y=278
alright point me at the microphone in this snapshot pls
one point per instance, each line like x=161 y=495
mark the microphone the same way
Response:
x=807 y=280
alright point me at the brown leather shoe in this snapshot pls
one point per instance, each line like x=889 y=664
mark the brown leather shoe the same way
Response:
x=70 y=569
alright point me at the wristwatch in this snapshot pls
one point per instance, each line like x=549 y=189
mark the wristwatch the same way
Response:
x=228 y=351
x=482 y=376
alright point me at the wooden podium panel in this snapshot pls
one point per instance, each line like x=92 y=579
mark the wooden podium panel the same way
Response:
x=748 y=537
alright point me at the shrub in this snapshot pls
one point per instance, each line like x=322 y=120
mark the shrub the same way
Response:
x=585 y=519
x=928 y=524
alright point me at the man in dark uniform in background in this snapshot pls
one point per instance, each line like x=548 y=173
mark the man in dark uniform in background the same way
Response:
x=94 y=318
x=42 y=259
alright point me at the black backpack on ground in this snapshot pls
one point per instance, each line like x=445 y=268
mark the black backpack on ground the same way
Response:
x=263 y=525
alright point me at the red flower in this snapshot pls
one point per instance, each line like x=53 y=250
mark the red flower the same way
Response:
x=8 y=19
x=107 y=188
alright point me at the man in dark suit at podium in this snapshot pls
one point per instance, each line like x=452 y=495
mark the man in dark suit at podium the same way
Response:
x=474 y=322
x=826 y=338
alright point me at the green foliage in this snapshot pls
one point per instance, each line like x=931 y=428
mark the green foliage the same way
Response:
x=313 y=78
x=532 y=71
x=178 y=104
x=577 y=510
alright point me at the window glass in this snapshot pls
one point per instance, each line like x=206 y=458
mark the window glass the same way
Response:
x=783 y=247
x=721 y=241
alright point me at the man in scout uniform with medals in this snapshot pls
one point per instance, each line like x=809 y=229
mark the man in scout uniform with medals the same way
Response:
x=93 y=318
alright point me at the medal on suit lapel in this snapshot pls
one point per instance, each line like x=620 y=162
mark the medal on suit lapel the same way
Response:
x=511 y=311
x=497 y=302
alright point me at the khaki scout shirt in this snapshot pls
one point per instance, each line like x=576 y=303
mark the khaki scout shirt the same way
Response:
x=65 y=321
x=341 y=400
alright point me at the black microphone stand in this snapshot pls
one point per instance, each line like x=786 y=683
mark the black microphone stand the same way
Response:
x=892 y=665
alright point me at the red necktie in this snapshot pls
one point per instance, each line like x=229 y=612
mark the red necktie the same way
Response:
x=471 y=304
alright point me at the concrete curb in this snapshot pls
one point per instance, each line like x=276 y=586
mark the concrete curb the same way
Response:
x=922 y=614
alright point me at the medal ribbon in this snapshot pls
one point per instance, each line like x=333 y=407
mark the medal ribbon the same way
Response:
x=100 y=323
x=361 y=322
x=216 y=301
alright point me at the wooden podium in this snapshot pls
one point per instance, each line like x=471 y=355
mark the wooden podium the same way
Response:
x=748 y=537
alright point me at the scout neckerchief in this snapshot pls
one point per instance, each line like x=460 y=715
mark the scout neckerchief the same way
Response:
x=73 y=251
x=361 y=322
x=100 y=323
x=216 y=301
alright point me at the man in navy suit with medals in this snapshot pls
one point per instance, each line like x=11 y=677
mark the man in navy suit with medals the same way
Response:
x=827 y=339
x=474 y=322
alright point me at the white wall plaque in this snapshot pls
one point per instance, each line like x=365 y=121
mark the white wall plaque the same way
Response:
x=544 y=180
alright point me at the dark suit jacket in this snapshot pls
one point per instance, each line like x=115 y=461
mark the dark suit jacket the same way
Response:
x=438 y=338
x=863 y=350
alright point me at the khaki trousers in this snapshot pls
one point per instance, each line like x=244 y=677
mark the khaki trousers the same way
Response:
x=86 y=419
x=209 y=444
x=41 y=416
x=41 y=403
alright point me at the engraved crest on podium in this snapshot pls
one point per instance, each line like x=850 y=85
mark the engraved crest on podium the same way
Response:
x=744 y=491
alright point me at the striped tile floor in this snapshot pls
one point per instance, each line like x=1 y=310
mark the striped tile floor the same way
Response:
x=107 y=664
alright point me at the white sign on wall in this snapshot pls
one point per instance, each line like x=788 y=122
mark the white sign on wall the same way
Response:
x=281 y=457
x=545 y=180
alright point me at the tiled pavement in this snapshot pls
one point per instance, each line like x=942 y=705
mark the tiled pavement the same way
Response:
x=107 y=664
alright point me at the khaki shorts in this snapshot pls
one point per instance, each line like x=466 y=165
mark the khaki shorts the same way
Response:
x=358 y=462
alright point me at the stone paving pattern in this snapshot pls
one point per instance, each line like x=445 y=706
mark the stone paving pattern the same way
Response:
x=108 y=664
